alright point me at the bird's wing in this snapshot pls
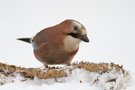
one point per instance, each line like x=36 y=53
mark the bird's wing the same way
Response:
x=37 y=45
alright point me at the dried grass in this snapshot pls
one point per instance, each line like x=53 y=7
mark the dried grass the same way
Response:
x=8 y=70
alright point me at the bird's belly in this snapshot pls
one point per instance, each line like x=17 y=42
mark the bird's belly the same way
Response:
x=57 y=58
x=54 y=57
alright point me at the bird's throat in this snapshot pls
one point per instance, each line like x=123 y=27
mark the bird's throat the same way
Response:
x=71 y=43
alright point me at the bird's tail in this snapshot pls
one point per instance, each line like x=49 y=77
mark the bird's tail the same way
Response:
x=28 y=40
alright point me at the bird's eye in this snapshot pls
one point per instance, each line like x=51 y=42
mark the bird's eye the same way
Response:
x=75 y=28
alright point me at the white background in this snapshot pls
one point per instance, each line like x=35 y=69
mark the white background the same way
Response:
x=110 y=25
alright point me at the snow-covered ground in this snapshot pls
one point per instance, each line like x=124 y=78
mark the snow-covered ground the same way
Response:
x=110 y=25
x=77 y=79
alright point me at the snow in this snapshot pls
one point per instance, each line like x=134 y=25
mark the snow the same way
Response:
x=110 y=25
x=65 y=86
x=79 y=79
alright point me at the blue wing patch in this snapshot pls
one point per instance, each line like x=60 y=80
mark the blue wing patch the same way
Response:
x=34 y=45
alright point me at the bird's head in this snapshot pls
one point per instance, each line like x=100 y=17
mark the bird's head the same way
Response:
x=74 y=33
x=75 y=30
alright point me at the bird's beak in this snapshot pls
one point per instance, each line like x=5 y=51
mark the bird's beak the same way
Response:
x=84 y=38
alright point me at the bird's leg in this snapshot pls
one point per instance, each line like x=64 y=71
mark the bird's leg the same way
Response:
x=46 y=65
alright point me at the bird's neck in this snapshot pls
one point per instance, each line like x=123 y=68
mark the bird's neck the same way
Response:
x=71 y=44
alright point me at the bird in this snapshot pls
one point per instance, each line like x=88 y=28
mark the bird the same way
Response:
x=58 y=44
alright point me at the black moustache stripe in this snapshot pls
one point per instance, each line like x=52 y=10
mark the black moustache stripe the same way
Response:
x=73 y=35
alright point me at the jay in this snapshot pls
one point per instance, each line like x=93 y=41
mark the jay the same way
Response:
x=58 y=44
